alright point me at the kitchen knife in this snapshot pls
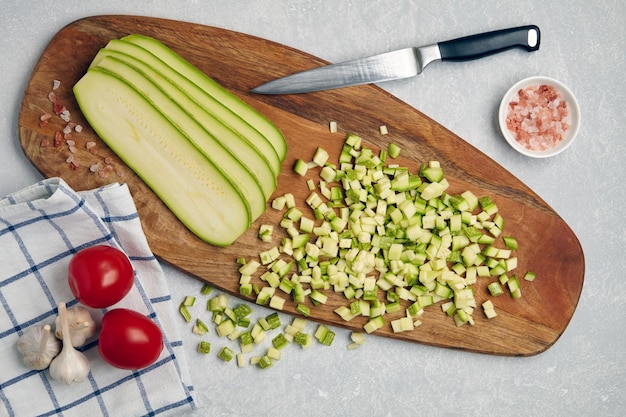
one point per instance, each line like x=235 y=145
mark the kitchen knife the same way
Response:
x=403 y=63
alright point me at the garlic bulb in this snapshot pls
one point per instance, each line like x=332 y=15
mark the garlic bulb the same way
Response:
x=70 y=365
x=81 y=325
x=38 y=347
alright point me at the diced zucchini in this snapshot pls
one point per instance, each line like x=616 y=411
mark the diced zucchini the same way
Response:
x=241 y=360
x=184 y=311
x=264 y=362
x=225 y=328
x=324 y=335
x=204 y=347
x=200 y=327
x=384 y=229
x=226 y=354
x=300 y=167
x=393 y=150
x=530 y=276
x=495 y=289
x=279 y=341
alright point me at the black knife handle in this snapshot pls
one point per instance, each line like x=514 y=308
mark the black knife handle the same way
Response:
x=488 y=43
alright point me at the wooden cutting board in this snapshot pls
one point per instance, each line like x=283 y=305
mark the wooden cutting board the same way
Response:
x=239 y=62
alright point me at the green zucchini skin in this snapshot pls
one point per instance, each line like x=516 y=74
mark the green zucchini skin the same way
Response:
x=188 y=183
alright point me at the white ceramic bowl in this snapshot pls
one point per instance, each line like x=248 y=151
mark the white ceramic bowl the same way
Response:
x=574 y=116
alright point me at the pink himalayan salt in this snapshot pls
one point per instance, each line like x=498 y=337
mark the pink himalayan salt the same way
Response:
x=538 y=117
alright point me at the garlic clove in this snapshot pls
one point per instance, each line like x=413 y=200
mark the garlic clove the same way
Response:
x=70 y=365
x=38 y=347
x=81 y=325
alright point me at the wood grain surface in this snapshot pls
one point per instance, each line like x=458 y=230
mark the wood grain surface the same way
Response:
x=240 y=62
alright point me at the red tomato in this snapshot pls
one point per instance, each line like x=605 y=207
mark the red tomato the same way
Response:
x=100 y=276
x=129 y=340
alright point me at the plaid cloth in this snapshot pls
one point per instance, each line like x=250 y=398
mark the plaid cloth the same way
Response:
x=41 y=228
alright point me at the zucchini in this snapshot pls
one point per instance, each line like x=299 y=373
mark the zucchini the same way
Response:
x=237 y=145
x=208 y=145
x=180 y=76
x=193 y=188
x=253 y=117
x=210 y=157
x=240 y=175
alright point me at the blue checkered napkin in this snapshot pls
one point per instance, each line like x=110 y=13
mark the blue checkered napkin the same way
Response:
x=41 y=228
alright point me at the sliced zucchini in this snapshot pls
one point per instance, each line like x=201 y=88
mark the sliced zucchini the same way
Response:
x=248 y=113
x=193 y=188
x=251 y=154
x=259 y=172
x=240 y=176
x=227 y=115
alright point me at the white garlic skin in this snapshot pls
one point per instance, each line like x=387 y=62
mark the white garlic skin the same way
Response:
x=82 y=326
x=70 y=365
x=38 y=347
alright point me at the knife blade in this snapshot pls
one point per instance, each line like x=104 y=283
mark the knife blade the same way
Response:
x=403 y=63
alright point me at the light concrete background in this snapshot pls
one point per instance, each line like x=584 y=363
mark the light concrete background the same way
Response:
x=583 y=46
